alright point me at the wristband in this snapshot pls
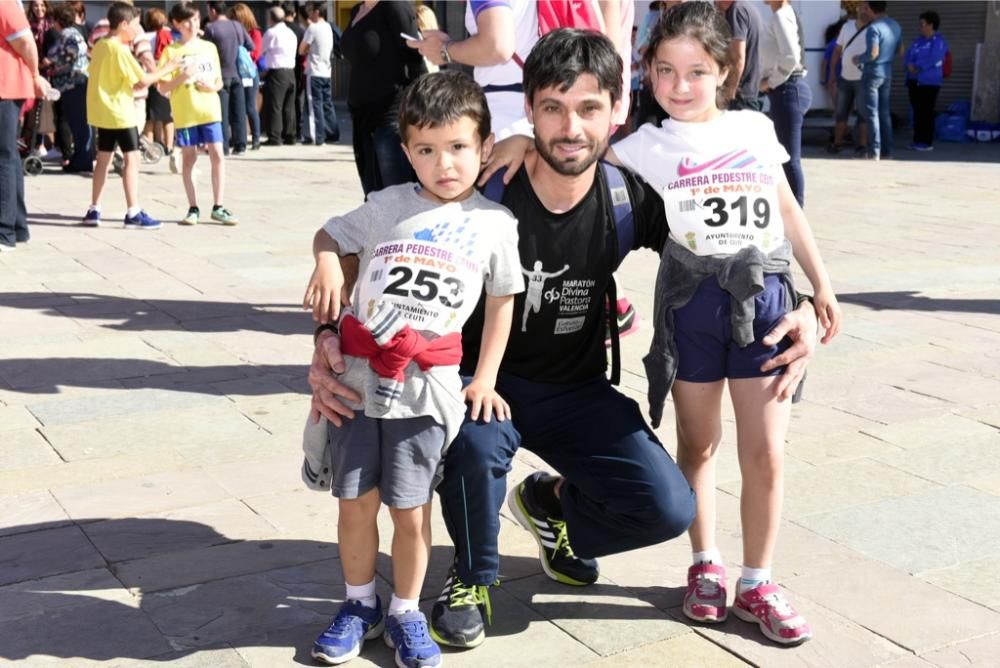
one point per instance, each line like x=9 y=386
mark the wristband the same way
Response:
x=325 y=327
x=801 y=298
x=445 y=56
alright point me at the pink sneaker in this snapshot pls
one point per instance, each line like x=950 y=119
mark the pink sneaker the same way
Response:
x=766 y=606
x=705 y=600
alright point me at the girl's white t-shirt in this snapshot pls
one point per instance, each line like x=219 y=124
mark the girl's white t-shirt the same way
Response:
x=718 y=179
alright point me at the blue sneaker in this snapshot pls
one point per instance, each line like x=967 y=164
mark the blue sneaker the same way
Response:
x=92 y=218
x=353 y=625
x=407 y=634
x=141 y=221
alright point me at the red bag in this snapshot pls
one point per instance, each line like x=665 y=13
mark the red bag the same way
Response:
x=946 y=67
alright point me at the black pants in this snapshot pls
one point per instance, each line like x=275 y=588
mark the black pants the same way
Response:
x=279 y=105
x=234 y=115
x=922 y=99
x=622 y=490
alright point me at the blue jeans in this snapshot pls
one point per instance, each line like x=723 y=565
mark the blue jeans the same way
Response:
x=250 y=103
x=622 y=489
x=379 y=157
x=324 y=118
x=876 y=93
x=234 y=115
x=789 y=103
x=13 y=214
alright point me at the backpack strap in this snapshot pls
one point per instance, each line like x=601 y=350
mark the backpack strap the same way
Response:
x=494 y=188
x=620 y=204
x=621 y=209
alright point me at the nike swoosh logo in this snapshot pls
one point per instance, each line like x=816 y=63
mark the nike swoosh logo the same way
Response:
x=686 y=168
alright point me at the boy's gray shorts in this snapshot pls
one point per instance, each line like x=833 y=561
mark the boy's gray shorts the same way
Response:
x=401 y=457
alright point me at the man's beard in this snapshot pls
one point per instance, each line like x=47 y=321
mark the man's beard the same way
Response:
x=573 y=166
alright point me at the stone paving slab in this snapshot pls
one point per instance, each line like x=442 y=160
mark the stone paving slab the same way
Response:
x=933 y=617
x=977 y=580
x=926 y=530
x=689 y=649
x=38 y=554
x=32 y=511
x=979 y=652
x=22 y=448
x=83 y=631
x=138 y=496
x=58 y=592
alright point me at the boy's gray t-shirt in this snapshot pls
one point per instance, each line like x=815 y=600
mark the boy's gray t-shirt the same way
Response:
x=431 y=262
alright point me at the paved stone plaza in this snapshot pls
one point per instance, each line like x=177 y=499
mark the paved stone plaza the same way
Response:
x=152 y=398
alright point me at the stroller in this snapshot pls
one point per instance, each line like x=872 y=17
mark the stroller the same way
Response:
x=150 y=151
x=31 y=116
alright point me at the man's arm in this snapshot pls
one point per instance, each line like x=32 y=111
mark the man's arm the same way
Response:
x=25 y=47
x=493 y=43
x=738 y=56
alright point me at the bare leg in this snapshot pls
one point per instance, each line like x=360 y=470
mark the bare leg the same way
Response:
x=130 y=178
x=218 y=171
x=761 y=426
x=357 y=533
x=189 y=156
x=168 y=136
x=411 y=549
x=699 y=429
x=100 y=176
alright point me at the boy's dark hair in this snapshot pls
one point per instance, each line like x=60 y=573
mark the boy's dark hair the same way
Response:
x=120 y=12
x=217 y=6
x=932 y=19
x=182 y=11
x=561 y=56
x=443 y=97
x=878 y=7
x=701 y=22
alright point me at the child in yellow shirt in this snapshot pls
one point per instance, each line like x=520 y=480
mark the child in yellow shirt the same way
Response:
x=194 y=103
x=114 y=76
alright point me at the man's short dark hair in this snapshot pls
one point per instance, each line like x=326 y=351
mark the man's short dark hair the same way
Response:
x=120 y=12
x=217 y=6
x=316 y=7
x=878 y=7
x=443 y=97
x=561 y=56
x=932 y=19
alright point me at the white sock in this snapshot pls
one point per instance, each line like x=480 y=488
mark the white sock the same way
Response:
x=363 y=594
x=752 y=577
x=709 y=556
x=133 y=211
x=94 y=207
x=398 y=606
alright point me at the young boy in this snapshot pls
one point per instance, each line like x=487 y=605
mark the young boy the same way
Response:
x=114 y=76
x=194 y=102
x=426 y=251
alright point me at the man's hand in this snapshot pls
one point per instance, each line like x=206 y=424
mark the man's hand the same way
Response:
x=327 y=390
x=800 y=326
x=42 y=86
x=431 y=45
x=484 y=398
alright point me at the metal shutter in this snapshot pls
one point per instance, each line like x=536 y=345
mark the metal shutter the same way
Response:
x=963 y=24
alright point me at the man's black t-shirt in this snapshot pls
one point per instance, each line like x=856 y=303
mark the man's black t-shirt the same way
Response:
x=559 y=326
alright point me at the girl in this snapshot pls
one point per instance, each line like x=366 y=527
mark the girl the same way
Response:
x=724 y=281
x=194 y=103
